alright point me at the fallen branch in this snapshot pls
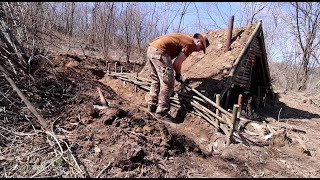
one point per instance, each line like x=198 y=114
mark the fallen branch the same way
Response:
x=102 y=99
x=42 y=122
x=103 y=170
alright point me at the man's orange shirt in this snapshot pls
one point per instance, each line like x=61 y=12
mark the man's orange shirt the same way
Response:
x=174 y=43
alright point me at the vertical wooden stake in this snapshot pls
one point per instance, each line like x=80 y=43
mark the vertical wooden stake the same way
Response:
x=134 y=66
x=218 y=103
x=229 y=35
x=217 y=110
x=240 y=98
x=233 y=120
x=121 y=70
x=135 y=86
x=109 y=64
x=115 y=67
x=240 y=104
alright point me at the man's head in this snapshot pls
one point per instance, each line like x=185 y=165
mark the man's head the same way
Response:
x=201 y=42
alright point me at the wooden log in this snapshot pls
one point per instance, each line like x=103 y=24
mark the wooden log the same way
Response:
x=199 y=111
x=129 y=75
x=102 y=99
x=197 y=105
x=136 y=82
x=243 y=78
x=208 y=100
x=133 y=79
x=245 y=69
x=241 y=81
x=191 y=96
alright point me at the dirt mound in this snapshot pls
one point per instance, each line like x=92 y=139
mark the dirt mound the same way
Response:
x=122 y=140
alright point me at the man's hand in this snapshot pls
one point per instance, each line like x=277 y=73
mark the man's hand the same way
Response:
x=178 y=77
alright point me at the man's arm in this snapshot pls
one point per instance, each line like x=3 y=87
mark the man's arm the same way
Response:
x=178 y=62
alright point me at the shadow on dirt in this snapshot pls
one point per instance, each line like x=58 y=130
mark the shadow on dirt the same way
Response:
x=211 y=87
x=281 y=111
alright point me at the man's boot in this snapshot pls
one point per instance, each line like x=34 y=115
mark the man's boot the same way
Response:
x=165 y=116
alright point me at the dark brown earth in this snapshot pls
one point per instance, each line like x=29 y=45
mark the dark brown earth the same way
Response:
x=124 y=140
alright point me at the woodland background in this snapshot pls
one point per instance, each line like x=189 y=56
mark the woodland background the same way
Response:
x=123 y=29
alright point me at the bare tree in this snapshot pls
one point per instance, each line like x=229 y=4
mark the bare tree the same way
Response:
x=251 y=11
x=127 y=25
x=307 y=17
x=183 y=13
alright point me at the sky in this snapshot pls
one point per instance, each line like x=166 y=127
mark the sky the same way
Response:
x=204 y=12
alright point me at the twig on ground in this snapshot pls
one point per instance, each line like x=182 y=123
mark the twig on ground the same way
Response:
x=279 y=118
x=18 y=134
x=36 y=151
x=41 y=170
x=103 y=170
x=74 y=159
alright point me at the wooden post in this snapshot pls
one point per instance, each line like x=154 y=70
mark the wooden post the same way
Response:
x=135 y=86
x=240 y=104
x=229 y=35
x=115 y=67
x=217 y=110
x=121 y=70
x=239 y=112
x=218 y=103
x=134 y=66
x=233 y=121
x=109 y=64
